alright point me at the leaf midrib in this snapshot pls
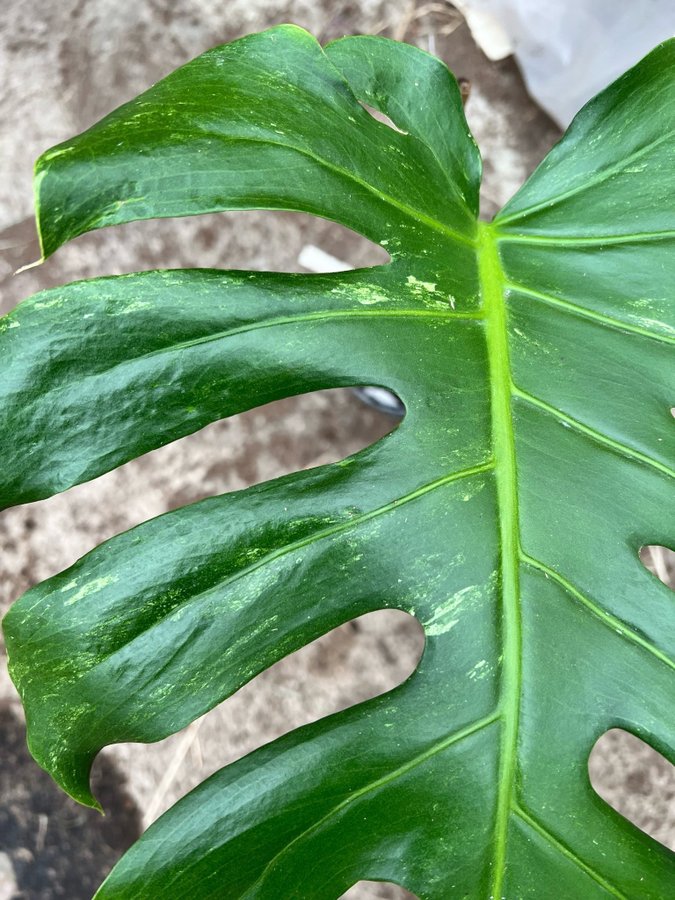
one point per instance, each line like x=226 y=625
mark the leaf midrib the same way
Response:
x=494 y=283
x=492 y=279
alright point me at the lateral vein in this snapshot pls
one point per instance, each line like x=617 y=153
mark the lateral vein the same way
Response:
x=320 y=535
x=565 y=851
x=607 y=618
x=599 y=178
x=582 y=312
x=596 y=240
x=377 y=783
x=402 y=207
x=597 y=436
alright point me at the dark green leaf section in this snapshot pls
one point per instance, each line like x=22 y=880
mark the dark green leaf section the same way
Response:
x=612 y=173
x=331 y=822
x=137 y=361
x=219 y=553
x=266 y=121
x=421 y=97
x=534 y=356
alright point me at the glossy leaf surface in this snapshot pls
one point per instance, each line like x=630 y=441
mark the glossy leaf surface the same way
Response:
x=535 y=358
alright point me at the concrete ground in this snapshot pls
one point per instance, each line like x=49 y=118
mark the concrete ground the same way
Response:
x=63 y=66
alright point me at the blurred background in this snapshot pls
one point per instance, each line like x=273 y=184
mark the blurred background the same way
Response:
x=64 y=65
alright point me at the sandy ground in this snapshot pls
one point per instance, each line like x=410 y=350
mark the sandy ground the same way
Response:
x=63 y=66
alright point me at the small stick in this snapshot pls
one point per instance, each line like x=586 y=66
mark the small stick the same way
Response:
x=172 y=770
x=464 y=89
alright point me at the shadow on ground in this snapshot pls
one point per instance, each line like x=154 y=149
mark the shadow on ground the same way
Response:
x=50 y=846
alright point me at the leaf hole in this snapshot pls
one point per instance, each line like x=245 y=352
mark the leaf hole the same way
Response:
x=379 y=116
x=354 y=662
x=377 y=890
x=660 y=561
x=636 y=781
x=252 y=240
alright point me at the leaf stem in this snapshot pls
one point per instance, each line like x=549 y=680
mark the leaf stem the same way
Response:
x=492 y=279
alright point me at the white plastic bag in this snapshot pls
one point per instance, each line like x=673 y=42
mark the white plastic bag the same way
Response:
x=568 y=51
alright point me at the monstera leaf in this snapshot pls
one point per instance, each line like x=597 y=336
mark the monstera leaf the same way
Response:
x=534 y=355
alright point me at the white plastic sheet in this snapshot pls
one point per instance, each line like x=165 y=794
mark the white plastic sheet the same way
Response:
x=568 y=51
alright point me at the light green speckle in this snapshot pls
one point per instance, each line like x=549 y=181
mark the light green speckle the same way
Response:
x=480 y=670
x=69 y=586
x=364 y=294
x=427 y=292
x=46 y=304
x=442 y=621
x=92 y=587
x=134 y=306
x=428 y=286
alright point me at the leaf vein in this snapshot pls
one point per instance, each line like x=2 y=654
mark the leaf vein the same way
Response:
x=610 y=620
x=599 y=240
x=597 y=436
x=582 y=312
x=598 y=178
x=421 y=758
x=317 y=536
x=409 y=211
x=503 y=440
x=565 y=851
x=289 y=320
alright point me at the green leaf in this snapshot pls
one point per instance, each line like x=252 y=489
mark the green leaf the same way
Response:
x=534 y=356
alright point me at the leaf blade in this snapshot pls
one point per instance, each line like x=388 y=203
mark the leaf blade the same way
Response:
x=521 y=350
x=185 y=152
